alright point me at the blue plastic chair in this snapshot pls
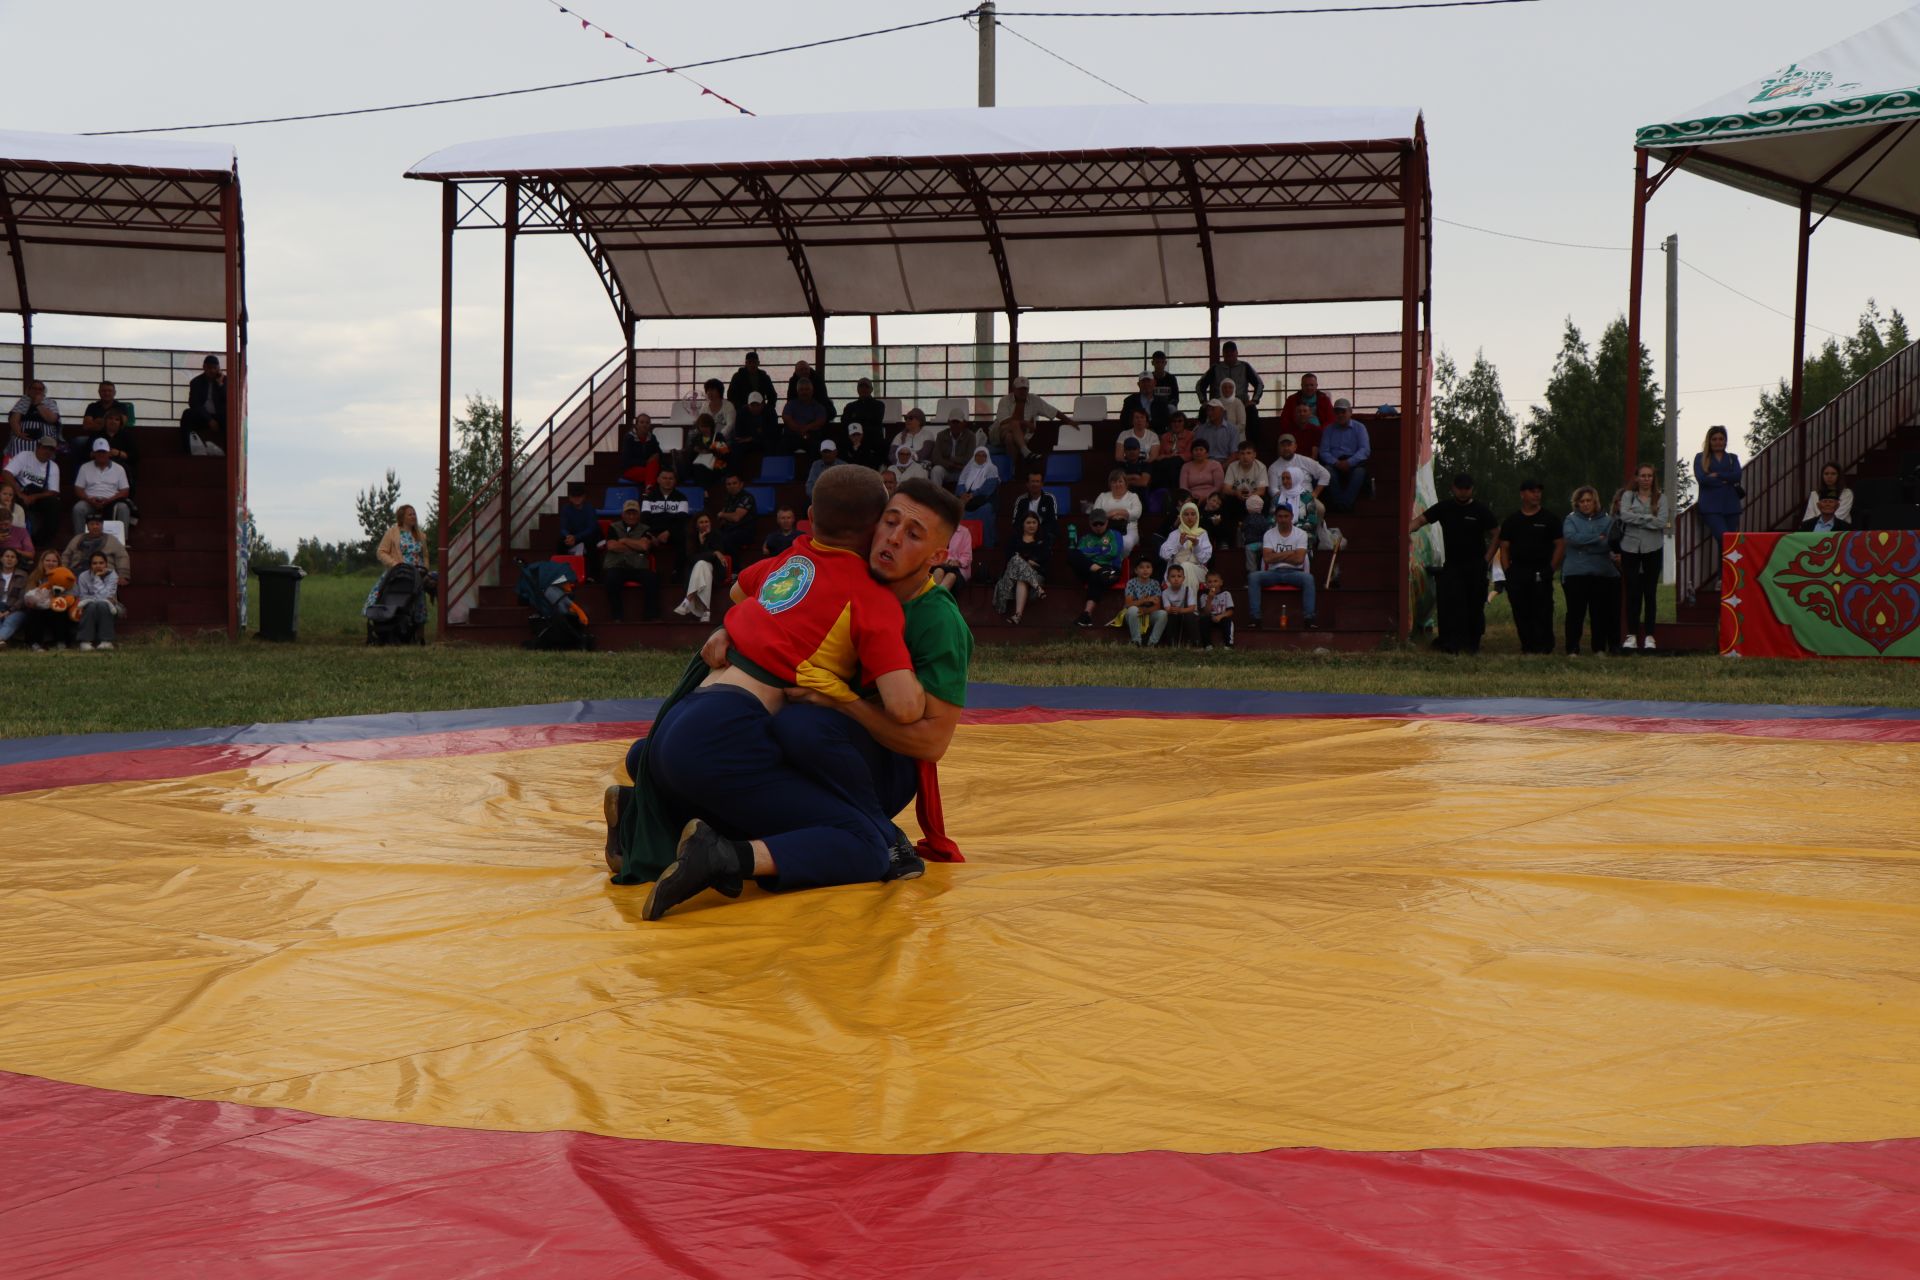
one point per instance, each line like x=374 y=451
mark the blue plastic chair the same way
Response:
x=1004 y=465
x=1063 y=500
x=764 y=500
x=1063 y=468
x=616 y=497
x=777 y=469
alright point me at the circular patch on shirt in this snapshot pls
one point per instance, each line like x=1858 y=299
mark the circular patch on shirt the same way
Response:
x=787 y=586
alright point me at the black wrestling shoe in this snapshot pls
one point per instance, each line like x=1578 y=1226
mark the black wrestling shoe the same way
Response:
x=613 y=805
x=903 y=863
x=706 y=860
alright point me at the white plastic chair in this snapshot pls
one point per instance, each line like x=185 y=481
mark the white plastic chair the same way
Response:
x=1089 y=408
x=1075 y=437
x=670 y=438
x=891 y=414
x=951 y=407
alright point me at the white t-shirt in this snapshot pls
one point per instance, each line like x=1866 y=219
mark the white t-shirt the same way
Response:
x=1172 y=597
x=1246 y=477
x=1301 y=463
x=31 y=472
x=100 y=485
x=1221 y=602
x=1294 y=539
x=1148 y=443
x=1127 y=504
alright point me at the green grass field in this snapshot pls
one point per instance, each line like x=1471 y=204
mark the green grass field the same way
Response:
x=159 y=682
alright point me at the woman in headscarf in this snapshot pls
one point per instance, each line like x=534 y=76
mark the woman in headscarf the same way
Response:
x=1025 y=573
x=1188 y=542
x=906 y=465
x=978 y=480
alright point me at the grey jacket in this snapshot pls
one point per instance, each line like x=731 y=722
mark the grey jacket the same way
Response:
x=1646 y=526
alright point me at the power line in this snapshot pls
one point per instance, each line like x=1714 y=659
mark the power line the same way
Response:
x=538 y=88
x=706 y=90
x=1001 y=25
x=1266 y=13
x=1750 y=298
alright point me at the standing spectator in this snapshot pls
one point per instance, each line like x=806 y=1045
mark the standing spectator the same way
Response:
x=1589 y=575
x=1146 y=621
x=707 y=571
x=13 y=588
x=1830 y=480
x=915 y=435
x=666 y=507
x=1220 y=436
x=954 y=448
x=1016 y=419
x=37 y=477
x=102 y=485
x=203 y=423
x=1826 y=520
x=1152 y=407
x=1187 y=542
x=805 y=374
x=48 y=598
x=1717 y=472
x=1253 y=531
x=957 y=568
x=865 y=447
x=1532 y=544
x=1166 y=388
x=97 y=602
x=1231 y=368
x=1202 y=477
x=1642 y=514
x=1344 y=451
x=718 y=407
x=978 y=481
x=705 y=457
x=1284 y=559
x=865 y=410
x=1464 y=522
x=747 y=379
x=93 y=540
x=1216 y=612
x=579 y=528
x=1036 y=501
x=755 y=429
x=805 y=420
x=402 y=543
x=626 y=559
x=828 y=459
x=640 y=455
x=1026 y=571
x=1144 y=439
x=1319 y=407
x=906 y=466
x=734 y=524
x=1095 y=559
x=1308 y=474
x=786 y=528
x=33 y=418
x=1123 y=509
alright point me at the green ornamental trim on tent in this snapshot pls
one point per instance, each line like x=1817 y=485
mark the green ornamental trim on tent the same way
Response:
x=1842 y=113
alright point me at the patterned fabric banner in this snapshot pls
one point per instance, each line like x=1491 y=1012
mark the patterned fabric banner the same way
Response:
x=1827 y=595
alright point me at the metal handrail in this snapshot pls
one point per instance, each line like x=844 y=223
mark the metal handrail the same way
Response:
x=152 y=379
x=1778 y=479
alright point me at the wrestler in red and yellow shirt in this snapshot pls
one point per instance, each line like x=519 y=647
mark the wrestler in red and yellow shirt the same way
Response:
x=814 y=618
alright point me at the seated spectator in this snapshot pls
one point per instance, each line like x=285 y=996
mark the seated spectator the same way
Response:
x=786 y=528
x=92 y=540
x=1123 y=509
x=905 y=465
x=1318 y=404
x=13 y=587
x=1233 y=412
x=748 y=379
x=915 y=435
x=1308 y=474
x=37 y=478
x=804 y=419
x=975 y=486
x=718 y=407
x=1284 y=557
x=1095 y=559
x=1253 y=529
x=705 y=457
x=579 y=529
x=1221 y=525
x=203 y=423
x=1217 y=434
x=94 y=425
x=1246 y=476
x=1026 y=571
x=1152 y=407
x=1201 y=477
x=1830 y=480
x=1176 y=445
x=806 y=375
x=866 y=410
x=626 y=559
x=33 y=417
x=829 y=458
x=1145 y=619
x=736 y=524
x=640 y=454
x=1215 y=612
x=953 y=449
x=1179 y=605
x=1306 y=428
x=1344 y=451
x=94 y=421
x=755 y=428
x=97 y=602
x=102 y=485
x=1144 y=439
x=1290 y=494
x=1187 y=542
x=865 y=447
x=1016 y=419
x=14 y=537
x=122 y=443
x=1036 y=501
x=1138 y=469
x=1827 y=518
x=957 y=569
x=10 y=499
x=666 y=507
x=889 y=481
x=707 y=571
x=48 y=598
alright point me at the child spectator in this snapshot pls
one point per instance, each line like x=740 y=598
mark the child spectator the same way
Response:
x=1253 y=527
x=1095 y=558
x=1025 y=572
x=786 y=529
x=95 y=540
x=97 y=601
x=1146 y=620
x=13 y=586
x=978 y=482
x=640 y=456
x=1123 y=508
x=957 y=568
x=1180 y=605
x=49 y=601
x=1216 y=612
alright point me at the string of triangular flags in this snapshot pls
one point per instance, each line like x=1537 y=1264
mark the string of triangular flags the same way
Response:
x=588 y=24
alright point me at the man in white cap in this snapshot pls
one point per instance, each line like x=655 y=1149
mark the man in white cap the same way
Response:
x=829 y=457
x=1147 y=399
x=1015 y=418
x=754 y=425
x=102 y=485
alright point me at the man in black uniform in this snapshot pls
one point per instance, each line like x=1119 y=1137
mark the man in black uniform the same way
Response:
x=1464 y=524
x=1532 y=544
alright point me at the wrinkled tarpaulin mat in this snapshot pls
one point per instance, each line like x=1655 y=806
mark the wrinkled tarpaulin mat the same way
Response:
x=1395 y=941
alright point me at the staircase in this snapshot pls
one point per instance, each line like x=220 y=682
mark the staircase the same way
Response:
x=1870 y=431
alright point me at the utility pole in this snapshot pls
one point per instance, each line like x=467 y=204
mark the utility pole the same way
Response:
x=983 y=320
x=1669 y=567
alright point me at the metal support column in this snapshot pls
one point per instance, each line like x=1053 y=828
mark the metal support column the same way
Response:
x=236 y=398
x=1670 y=485
x=1798 y=396
x=445 y=505
x=630 y=323
x=983 y=320
x=506 y=375
x=1412 y=184
x=1637 y=282
x=19 y=283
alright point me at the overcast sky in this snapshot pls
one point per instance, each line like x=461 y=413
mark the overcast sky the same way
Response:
x=1530 y=108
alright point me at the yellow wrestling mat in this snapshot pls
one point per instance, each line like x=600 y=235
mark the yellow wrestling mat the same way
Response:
x=1202 y=935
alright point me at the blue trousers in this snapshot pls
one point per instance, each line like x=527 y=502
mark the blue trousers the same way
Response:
x=838 y=754
x=1346 y=490
x=714 y=756
x=1718 y=524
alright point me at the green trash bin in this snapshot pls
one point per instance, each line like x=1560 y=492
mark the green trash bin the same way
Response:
x=279 y=601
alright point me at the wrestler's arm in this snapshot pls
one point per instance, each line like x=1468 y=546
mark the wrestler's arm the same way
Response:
x=902 y=697
x=925 y=739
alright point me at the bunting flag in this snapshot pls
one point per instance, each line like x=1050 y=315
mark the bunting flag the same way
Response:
x=588 y=24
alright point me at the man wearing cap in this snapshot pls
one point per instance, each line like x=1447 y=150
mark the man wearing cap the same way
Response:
x=1015 y=419
x=626 y=559
x=37 y=476
x=1308 y=474
x=865 y=447
x=1344 y=450
x=1532 y=544
x=1222 y=439
x=1465 y=524
x=747 y=379
x=953 y=450
x=1166 y=388
x=829 y=458
x=1149 y=401
x=1246 y=383
x=32 y=416
x=93 y=540
x=754 y=426
x=866 y=410
x=102 y=485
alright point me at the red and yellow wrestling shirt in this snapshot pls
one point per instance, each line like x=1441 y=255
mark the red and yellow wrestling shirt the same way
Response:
x=816 y=619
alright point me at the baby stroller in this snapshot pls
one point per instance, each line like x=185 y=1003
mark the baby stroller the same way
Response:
x=397 y=611
x=558 y=623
